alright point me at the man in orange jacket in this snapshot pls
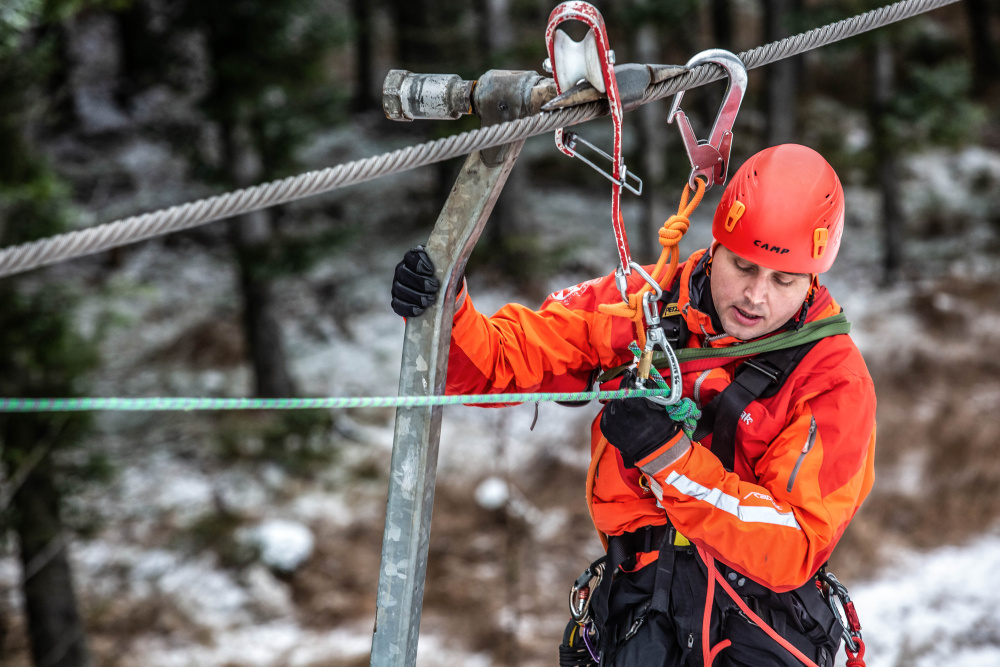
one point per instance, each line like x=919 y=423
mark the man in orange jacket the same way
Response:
x=755 y=499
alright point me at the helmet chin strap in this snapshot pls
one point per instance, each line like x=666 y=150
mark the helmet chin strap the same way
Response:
x=807 y=303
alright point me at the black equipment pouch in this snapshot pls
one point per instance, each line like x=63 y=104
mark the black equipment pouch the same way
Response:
x=803 y=610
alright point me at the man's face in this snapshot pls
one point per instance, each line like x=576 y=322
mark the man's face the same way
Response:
x=753 y=300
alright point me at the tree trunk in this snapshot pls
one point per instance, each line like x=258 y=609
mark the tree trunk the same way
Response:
x=886 y=161
x=251 y=236
x=984 y=55
x=415 y=48
x=54 y=625
x=509 y=231
x=722 y=24
x=363 y=76
x=94 y=49
x=495 y=32
x=782 y=76
x=652 y=136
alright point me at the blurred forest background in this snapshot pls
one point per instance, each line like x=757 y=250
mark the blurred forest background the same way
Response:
x=253 y=539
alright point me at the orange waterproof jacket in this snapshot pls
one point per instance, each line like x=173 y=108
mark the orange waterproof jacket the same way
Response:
x=804 y=456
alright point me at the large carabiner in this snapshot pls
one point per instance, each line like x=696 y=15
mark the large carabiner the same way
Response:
x=595 y=44
x=710 y=158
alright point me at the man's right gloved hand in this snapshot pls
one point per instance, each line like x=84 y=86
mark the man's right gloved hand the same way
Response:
x=414 y=286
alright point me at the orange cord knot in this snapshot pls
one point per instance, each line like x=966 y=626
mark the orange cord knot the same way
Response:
x=670 y=236
x=673 y=229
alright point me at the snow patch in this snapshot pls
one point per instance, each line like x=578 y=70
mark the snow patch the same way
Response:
x=284 y=545
x=934 y=608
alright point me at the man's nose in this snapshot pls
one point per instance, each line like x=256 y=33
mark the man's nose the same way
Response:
x=756 y=290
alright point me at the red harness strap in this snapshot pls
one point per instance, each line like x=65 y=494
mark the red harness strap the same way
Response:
x=710 y=653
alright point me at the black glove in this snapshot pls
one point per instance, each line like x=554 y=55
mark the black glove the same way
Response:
x=636 y=426
x=414 y=286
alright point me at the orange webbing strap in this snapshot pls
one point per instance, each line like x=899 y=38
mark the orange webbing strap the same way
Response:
x=670 y=236
x=663 y=273
x=595 y=460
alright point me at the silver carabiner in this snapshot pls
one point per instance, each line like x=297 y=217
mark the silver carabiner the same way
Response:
x=581 y=592
x=622 y=282
x=656 y=338
x=710 y=158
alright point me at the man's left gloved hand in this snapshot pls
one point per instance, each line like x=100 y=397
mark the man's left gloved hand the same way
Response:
x=414 y=286
x=636 y=426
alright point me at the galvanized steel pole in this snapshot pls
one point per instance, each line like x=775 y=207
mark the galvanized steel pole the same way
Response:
x=413 y=472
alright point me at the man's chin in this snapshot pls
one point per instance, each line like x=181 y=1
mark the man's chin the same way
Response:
x=742 y=331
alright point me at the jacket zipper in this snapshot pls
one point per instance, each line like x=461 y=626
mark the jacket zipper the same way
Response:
x=810 y=441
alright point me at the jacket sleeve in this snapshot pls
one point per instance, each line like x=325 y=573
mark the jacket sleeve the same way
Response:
x=811 y=481
x=554 y=348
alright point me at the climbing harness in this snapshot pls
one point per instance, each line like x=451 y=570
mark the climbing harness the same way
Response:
x=760 y=375
x=593 y=60
x=710 y=157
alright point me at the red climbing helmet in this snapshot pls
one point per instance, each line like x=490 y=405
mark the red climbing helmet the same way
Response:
x=784 y=209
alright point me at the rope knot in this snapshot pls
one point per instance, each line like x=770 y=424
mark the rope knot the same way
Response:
x=673 y=229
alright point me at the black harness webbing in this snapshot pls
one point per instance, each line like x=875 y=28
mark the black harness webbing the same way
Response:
x=758 y=376
x=621 y=548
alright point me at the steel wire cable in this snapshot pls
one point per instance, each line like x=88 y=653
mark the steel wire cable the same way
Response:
x=51 y=250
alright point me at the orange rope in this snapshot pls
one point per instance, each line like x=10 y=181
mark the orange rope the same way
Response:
x=670 y=236
x=663 y=273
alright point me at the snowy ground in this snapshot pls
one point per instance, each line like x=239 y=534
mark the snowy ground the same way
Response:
x=934 y=608
x=293 y=582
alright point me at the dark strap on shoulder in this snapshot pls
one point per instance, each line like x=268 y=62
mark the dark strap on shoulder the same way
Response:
x=758 y=376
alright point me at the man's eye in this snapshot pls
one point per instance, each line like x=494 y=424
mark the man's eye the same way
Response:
x=784 y=282
x=744 y=269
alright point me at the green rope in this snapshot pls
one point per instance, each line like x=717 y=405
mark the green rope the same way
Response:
x=165 y=404
x=684 y=411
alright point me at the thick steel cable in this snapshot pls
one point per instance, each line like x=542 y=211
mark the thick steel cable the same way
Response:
x=797 y=44
x=20 y=258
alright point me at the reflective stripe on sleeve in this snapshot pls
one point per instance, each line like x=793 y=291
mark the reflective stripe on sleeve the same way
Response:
x=727 y=503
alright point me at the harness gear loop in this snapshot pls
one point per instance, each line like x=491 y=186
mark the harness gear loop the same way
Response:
x=666 y=266
x=595 y=46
